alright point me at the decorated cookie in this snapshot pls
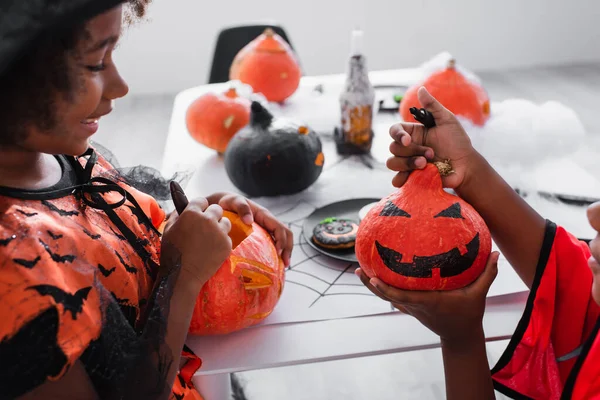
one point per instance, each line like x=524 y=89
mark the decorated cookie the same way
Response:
x=335 y=233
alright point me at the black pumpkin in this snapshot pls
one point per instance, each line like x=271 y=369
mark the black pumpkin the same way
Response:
x=273 y=156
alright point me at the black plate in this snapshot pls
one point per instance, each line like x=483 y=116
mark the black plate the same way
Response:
x=385 y=96
x=341 y=209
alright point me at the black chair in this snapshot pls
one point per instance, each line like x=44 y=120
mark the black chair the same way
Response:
x=230 y=41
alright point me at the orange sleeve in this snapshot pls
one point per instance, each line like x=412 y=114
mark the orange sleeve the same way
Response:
x=150 y=207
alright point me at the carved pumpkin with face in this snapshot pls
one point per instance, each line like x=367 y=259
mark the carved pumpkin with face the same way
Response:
x=423 y=238
x=246 y=288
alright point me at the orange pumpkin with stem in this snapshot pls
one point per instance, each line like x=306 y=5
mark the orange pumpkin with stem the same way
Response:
x=246 y=288
x=213 y=119
x=269 y=65
x=422 y=237
x=457 y=93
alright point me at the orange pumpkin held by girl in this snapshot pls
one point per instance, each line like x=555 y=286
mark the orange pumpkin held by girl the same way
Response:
x=422 y=237
x=269 y=65
x=457 y=93
x=213 y=119
x=246 y=288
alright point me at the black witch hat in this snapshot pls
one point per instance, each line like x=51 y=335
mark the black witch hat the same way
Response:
x=22 y=22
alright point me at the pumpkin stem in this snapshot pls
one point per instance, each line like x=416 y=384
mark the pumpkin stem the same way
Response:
x=231 y=93
x=444 y=167
x=259 y=115
x=451 y=63
x=269 y=32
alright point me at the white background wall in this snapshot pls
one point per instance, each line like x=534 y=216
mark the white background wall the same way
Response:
x=173 y=49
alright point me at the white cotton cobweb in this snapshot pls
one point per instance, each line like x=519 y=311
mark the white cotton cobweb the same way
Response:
x=302 y=101
x=524 y=133
x=521 y=137
x=440 y=61
x=312 y=107
x=519 y=131
x=246 y=91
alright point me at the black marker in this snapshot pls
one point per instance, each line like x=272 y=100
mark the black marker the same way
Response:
x=423 y=116
x=426 y=118
x=179 y=198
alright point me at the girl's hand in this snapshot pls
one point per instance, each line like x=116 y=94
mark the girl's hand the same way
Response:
x=251 y=212
x=446 y=141
x=456 y=316
x=197 y=239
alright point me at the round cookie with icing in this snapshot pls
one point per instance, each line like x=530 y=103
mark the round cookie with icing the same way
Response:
x=335 y=233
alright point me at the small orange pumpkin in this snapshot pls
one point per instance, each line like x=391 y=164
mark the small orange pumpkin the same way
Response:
x=457 y=93
x=213 y=119
x=247 y=286
x=423 y=238
x=269 y=65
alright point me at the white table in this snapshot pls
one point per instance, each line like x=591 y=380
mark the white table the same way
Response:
x=298 y=343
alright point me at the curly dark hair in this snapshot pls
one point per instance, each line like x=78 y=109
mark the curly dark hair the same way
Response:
x=28 y=88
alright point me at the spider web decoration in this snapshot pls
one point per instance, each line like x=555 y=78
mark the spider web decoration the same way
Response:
x=318 y=287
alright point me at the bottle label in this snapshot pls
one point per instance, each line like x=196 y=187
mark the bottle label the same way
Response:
x=357 y=124
x=356 y=103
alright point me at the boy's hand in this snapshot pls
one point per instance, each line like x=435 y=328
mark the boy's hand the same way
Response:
x=456 y=316
x=251 y=212
x=446 y=141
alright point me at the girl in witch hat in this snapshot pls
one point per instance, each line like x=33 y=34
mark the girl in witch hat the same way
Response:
x=97 y=283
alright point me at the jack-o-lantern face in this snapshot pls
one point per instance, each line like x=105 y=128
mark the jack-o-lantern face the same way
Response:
x=423 y=238
x=449 y=263
x=246 y=288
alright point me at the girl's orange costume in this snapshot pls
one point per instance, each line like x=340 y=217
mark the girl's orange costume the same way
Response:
x=78 y=265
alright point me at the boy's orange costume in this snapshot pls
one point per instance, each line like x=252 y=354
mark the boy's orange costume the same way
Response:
x=555 y=351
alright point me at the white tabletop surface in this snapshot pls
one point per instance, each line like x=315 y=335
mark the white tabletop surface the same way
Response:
x=309 y=342
x=321 y=113
x=303 y=342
